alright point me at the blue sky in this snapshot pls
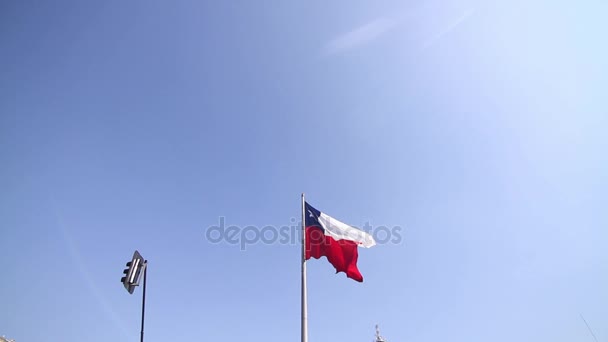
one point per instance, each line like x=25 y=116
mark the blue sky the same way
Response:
x=479 y=128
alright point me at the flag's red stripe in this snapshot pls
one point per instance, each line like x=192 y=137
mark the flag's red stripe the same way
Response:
x=342 y=254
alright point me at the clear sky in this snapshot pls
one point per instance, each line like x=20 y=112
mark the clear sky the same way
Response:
x=478 y=127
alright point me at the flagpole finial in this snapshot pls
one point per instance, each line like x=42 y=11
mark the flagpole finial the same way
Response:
x=378 y=337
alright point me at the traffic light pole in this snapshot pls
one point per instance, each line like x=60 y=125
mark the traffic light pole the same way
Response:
x=130 y=280
x=143 y=302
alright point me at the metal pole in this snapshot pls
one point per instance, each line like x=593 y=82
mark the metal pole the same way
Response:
x=143 y=302
x=304 y=299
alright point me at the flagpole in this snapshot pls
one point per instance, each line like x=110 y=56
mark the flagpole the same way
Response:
x=304 y=299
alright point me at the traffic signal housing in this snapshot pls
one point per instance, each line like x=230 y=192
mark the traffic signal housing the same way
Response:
x=133 y=271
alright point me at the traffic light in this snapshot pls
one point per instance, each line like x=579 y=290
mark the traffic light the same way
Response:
x=135 y=268
x=133 y=271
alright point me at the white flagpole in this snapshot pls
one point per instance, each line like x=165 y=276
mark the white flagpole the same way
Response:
x=304 y=299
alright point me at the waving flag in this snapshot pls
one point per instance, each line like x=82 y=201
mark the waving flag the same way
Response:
x=326 y=236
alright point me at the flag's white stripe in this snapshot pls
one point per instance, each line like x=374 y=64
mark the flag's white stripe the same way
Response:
x=341 y=231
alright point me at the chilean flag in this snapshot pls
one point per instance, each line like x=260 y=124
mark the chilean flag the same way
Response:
x=326 y=236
